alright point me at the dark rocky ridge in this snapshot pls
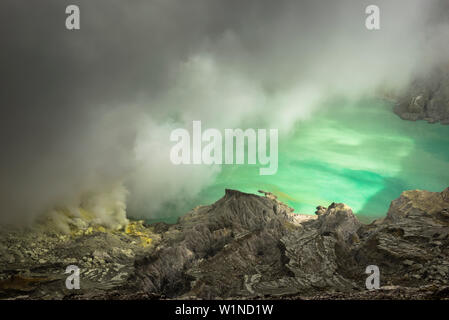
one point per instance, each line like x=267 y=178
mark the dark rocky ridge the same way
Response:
x=248 y=246
x=427 y=98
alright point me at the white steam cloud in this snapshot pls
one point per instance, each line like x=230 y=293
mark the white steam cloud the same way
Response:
x=260 y=64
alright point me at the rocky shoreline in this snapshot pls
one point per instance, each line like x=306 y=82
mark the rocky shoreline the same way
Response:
x=242 y=246
x=427 y=98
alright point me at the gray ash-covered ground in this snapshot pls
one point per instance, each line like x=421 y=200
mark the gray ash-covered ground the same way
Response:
x=33 y=260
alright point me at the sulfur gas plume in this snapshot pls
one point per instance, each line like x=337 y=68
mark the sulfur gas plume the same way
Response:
x=87 y=114
x=104 y=209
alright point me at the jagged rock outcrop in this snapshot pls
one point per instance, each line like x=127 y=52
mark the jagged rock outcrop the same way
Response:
x=313 y=258
x=282 y=257
x=411 y=244
x=248 y=246
x=318 y=254
x=220 y=250
x=427 y=98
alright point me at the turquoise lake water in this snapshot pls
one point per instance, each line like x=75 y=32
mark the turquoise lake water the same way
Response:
x=362 y=155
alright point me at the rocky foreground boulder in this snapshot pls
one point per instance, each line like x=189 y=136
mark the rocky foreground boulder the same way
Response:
x=248 y=246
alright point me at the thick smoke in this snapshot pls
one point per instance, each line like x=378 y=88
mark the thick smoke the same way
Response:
x=86 y=110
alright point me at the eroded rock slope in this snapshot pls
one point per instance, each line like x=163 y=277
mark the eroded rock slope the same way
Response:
x=249 y=246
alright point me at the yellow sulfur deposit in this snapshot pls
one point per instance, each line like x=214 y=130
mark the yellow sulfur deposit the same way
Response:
x=136 y=228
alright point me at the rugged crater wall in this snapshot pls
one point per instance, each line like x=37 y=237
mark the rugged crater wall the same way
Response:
x=249 y=246
x=427 y=98
x=268 y=252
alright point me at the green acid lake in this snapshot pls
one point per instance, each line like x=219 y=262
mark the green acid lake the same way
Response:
x=360 y=154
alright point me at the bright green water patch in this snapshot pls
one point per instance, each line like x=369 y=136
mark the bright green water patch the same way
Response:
x=362 y=155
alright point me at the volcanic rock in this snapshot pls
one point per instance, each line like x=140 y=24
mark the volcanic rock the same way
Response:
x=427 y=98
x=243 y=246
